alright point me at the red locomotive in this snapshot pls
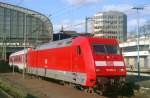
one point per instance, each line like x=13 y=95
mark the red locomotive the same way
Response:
x=86 y=61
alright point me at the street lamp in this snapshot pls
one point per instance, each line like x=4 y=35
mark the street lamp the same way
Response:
x=4 y=47
x=25 y=50
x=138 y=35
x=86 y=23
x=24 y=37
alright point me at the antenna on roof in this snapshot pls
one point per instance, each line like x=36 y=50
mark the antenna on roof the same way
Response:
x=61 y=32
x=62 y=29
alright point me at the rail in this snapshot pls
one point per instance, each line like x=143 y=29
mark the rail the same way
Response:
x=5 y=94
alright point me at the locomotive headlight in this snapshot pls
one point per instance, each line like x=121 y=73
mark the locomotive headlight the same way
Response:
x=100 y=63
x=118 y=63
x=110 y=70
x=121 y=69
x=98 y=70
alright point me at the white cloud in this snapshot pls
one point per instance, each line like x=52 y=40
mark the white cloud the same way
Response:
x=132 y=24
x=126 y=8
x=75 y=25
x=145 y=11
x=131 y=14
x=122 y=7
x=79 y=25
x=80 y=2
x=56 y=28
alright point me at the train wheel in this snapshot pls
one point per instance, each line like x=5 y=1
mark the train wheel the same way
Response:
x=79 y=87
x=62 y=83
x=89 y=90
x=99 y=92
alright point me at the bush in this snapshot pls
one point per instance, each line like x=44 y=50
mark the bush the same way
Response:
x=14 y=91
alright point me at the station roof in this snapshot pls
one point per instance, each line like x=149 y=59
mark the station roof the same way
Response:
x=27 y=11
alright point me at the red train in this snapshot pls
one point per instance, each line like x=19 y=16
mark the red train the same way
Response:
x=86 y=61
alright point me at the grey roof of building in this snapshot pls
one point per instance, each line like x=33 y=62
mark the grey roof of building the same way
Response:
x=27 y=11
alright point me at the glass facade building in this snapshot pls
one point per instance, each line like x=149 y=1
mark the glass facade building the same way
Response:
x=110 y=24
x=20 y=26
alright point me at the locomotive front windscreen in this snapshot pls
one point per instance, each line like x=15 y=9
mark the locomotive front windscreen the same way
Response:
x=106 y=49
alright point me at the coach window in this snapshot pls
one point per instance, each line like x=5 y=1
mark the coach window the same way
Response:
x=78 y=50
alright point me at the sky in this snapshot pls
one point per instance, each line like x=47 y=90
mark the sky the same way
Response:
x=71 y=13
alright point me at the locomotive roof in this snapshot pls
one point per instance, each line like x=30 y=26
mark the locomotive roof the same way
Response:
x=68 y=42
x=55 y=44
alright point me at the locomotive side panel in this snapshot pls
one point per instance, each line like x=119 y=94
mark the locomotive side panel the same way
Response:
x=58 y=63
x=62 y=65
x=88 y=62
x=60 y=59
x=77 y=58
x=78 y=65
x=55 y=59
x=32 y=62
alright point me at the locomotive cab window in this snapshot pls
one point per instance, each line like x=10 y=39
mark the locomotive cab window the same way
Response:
x=99 y=49
x=106 y=49
x=113 y=49
x=78 y=50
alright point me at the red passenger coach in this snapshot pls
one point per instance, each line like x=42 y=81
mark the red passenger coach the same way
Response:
x=85 y=61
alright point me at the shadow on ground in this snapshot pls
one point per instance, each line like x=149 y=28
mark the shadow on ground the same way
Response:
x=4 y=66
x=127 y=90
x=135 y=78
x=30 y=96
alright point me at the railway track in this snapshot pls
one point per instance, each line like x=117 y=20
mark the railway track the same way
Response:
x=141 y=74
x=47 y=89
x=44 y=89
x=4 y=94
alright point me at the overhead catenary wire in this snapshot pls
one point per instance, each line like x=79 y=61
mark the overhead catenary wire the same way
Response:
x=71 y=26
x=21 y=1
x=67 y=11
x=128 y=12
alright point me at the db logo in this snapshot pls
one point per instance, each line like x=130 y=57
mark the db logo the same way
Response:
x=45 y=61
